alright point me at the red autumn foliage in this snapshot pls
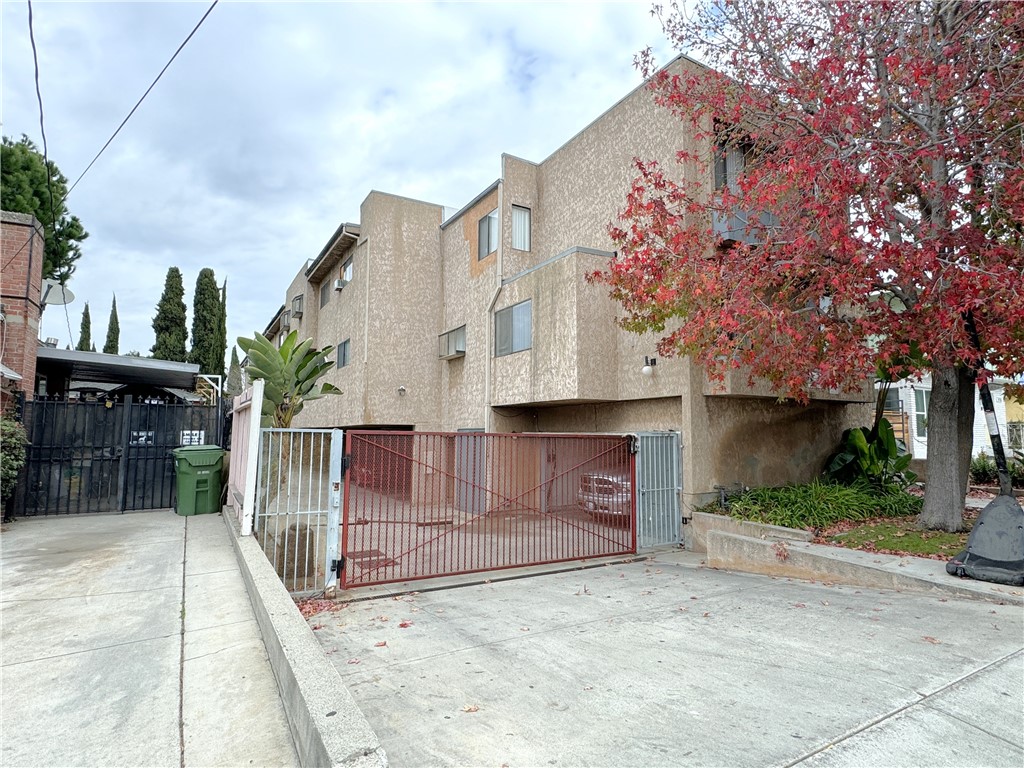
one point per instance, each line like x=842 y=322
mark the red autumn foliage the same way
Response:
x=875 y=152
x=886 y=141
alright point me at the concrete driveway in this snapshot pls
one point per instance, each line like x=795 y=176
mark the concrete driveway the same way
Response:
x=130 y=640
x=665 y=662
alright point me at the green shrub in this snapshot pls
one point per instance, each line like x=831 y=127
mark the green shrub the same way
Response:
x=1017 y=471
x=820 y=504
x=881 y=460
x=12 y=455
x=983 y=470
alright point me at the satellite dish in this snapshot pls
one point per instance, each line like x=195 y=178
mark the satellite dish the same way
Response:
x=55 y=293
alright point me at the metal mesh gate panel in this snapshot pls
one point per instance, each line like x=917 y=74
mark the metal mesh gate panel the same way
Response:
x=658 y=480
x=424 y=504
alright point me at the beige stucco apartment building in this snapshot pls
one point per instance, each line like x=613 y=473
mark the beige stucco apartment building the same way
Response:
x=484 y=320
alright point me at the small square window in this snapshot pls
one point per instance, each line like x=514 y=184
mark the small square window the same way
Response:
x=513 y=328
x=520 y=228
x=452 y=344
x=344 y=350
x=488 y=235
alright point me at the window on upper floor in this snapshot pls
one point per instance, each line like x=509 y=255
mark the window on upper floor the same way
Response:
x=513 y=328
x=520 y=228
x=730 y=160
x=452 y=344
x=344 y=353
x=346 y=271
x=325 y=293
x=286 y=321
x=488 y=235
x=297 y=302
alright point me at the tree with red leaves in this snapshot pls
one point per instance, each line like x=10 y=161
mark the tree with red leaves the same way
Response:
x=858 y=203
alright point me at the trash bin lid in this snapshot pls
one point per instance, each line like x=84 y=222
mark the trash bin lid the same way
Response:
x=200 y=455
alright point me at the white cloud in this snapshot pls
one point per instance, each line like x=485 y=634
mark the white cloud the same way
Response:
x=278 y=118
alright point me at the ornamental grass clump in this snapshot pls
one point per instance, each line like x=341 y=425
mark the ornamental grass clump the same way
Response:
x=820 y=504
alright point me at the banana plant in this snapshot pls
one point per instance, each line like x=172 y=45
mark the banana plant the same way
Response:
x=880 y=460
x=290 y=375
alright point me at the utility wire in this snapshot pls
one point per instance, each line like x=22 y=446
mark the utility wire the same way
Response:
x=46 y=161
x=35 y=59
x=139 y=102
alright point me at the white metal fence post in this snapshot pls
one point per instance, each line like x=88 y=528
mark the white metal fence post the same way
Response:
x=334 y=506
x=252 y=457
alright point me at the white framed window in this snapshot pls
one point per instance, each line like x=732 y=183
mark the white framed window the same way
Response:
x=297 y=302
x=346 y=271
x=513 y=328
x=344 y=353
x=452 y=344
x=921 y=397
x=520 y=228
x=488 y=235
x=325 y=293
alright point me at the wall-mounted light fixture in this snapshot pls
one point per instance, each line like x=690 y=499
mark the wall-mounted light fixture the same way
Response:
x=649 y=363
x=401 y=391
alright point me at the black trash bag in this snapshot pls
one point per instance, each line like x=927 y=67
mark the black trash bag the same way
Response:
x=995 y=548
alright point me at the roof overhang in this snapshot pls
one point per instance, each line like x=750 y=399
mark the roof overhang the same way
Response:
x=7 y=373
x=118 y=369
x=344 y=237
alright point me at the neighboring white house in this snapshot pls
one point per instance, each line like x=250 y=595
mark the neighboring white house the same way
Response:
x=908 y=401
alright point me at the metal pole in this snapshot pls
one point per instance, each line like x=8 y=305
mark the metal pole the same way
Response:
x=1005 y=485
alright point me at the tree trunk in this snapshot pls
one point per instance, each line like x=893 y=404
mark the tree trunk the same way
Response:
x=947 y=481
x=968 y=398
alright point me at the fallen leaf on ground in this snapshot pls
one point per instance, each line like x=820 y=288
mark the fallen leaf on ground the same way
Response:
x=471 y=708
x=706 y=614
x=381 y=644
x=317 y=626
x=931 y=640
x=354 y=661
x=524 y=629
x=405 y=624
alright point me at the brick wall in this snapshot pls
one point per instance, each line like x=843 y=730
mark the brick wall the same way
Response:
x=21 y=269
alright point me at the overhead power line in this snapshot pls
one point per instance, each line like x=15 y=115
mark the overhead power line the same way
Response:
x=46 y=160
x=143 y=98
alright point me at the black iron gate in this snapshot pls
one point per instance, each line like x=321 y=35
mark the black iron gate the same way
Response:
x=107 y=456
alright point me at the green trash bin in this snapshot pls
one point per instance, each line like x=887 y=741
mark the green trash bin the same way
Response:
x=198 y=469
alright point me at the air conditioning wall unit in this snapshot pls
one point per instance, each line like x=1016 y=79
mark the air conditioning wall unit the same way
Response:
x=339 y=284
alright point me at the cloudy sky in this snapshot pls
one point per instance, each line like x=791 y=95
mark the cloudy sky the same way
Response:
x=278 y=118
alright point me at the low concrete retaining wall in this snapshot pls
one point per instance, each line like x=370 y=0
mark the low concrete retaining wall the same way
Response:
x=801 y=560
x=703 y=523
x=326 y=724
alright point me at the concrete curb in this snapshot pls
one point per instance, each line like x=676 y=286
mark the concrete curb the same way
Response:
x=703 y=523
x=817 y=562
x=327 y=726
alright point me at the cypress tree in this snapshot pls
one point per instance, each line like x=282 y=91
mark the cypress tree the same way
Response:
x=113 y=331
x=206 y=350
x=169 y=323
x=234 y=383
x=85 y=331
x=222 y=328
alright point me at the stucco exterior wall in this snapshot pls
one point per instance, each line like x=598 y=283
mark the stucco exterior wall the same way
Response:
x=469 y=283
x=306 y=325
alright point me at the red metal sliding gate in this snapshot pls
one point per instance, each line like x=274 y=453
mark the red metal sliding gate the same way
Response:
x=425 y=504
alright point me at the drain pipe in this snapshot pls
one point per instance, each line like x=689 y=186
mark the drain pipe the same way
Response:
x=489 y=356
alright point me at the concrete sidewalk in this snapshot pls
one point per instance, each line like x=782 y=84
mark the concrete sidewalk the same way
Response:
x=130 y=640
